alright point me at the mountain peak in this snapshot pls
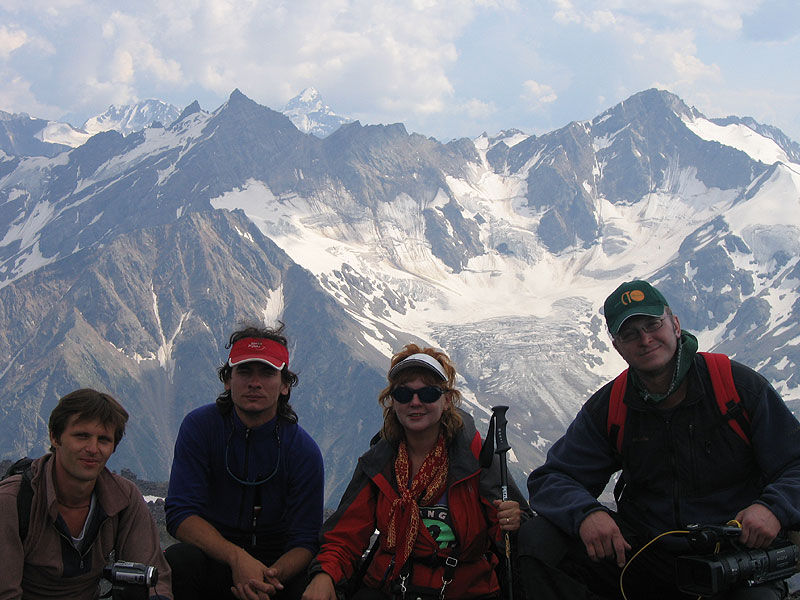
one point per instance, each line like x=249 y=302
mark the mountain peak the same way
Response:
x=237 y=95
x=310 y=95
x=130 y=118
x=23 y=135
x=311 y=115
x=194 y=107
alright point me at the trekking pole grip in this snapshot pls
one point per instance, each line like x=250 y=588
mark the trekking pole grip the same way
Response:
x=501 y=440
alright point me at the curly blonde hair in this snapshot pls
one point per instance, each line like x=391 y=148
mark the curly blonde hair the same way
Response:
x=451 y=422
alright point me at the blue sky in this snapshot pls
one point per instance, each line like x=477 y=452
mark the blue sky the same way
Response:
x=445 y=68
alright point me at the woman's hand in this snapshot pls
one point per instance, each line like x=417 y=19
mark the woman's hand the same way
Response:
x=509 y=514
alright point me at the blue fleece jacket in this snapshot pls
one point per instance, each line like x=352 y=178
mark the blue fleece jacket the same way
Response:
x=216 y=454
x=684 y=465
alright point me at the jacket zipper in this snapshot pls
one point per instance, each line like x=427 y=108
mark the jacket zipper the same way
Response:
x=256 y=511
x=82 y=556
x=246 y=461
x=692 y=458
x=673 y=459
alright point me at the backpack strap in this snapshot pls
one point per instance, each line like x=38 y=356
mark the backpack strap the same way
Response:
x=728 y=401
x=617 y=411
x=24 y=502
x=24 y=495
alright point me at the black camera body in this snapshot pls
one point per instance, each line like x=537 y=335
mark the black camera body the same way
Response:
x=709 y=573
x=130 y=580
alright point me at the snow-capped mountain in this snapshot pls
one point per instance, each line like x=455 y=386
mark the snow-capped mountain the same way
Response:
x=126 y=262
x=311 y=115
x=22 y=135
x=131 y=118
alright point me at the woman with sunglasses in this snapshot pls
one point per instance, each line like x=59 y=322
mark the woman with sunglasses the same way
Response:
x=420 y=485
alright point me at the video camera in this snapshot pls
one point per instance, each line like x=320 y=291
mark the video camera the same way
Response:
x=130 y=580
x=709 y=573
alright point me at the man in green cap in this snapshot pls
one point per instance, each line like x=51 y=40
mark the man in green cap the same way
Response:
x=699 y=440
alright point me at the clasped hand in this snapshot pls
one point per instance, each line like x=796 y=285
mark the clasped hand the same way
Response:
x=252 y=579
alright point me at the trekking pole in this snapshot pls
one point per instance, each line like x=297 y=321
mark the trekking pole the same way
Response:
x=502 y=447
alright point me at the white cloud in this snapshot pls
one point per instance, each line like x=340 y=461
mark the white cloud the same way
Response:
x=601 y=19
x=135 y=50
x=670 y=57
x=397 y=55
x=690 y=69
x=16 y=96
x=47 y=7
x=537 y=93
x=565 y=13
x=722 y=15
x=659 y=51
x=458 y=66
x=10 y=40
x=477 y=109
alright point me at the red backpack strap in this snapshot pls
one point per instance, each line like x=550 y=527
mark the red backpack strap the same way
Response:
x=728 y=401
x=617 y=410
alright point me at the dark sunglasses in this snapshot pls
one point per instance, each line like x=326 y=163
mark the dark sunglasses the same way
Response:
x=429 y=394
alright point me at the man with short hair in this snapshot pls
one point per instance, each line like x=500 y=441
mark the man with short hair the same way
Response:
x=683 y=462
x=246 y=488
x=82 y=517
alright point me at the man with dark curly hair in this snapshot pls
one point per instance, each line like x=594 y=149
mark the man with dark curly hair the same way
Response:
x=246 y=487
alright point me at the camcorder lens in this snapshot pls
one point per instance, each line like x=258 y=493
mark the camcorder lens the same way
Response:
x=123 y=575
x=712 y=574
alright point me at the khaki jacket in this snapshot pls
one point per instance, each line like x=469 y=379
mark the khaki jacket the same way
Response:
x=47 y=566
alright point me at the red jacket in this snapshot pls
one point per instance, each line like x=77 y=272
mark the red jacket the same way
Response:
x=365 y=508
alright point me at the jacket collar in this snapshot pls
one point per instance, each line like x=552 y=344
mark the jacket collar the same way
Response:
x=694 y=389
x=111 y=497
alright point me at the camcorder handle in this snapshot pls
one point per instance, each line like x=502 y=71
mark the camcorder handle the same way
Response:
x=703 y=538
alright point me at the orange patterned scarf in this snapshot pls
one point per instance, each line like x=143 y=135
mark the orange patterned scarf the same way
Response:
x=428 y=485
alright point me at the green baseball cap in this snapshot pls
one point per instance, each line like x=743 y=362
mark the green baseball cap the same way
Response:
x=632 y=298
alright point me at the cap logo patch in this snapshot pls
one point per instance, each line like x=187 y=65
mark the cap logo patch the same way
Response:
x=632 y=296
x=263 y=350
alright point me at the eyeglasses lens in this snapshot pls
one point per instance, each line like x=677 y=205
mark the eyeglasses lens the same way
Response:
x=427 y=395
x=632 y=333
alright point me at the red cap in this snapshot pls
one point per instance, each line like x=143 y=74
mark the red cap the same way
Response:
x=263 y=350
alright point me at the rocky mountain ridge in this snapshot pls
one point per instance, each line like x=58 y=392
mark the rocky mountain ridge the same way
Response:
x=126 y=262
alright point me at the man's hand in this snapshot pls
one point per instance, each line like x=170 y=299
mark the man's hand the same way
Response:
x=252 y=579
x=320 y=588
x=759 y=526
x=602 y=537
